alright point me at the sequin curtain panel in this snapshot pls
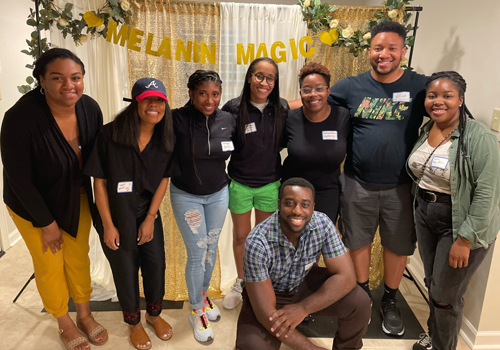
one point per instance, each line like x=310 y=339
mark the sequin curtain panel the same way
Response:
x=343 y=64
x=176 y=20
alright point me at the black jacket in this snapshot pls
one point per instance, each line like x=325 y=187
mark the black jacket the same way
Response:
x=257 y=161
x=212 y=147
x=42 y=176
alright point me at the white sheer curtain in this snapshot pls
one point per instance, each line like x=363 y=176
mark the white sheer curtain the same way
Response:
x=106 y=81
x=254 y=24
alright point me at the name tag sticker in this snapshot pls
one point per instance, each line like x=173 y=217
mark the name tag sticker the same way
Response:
x=439 y=162
x=403 y=96
x=308 y=266
x=249 y=128
x=124 y=187
x=330 y=135
x=227 y=146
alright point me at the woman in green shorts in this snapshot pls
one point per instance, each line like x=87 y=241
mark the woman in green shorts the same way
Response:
x=255 y=165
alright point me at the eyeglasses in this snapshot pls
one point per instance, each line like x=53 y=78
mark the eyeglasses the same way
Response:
x=260 y=78
x=307 y=90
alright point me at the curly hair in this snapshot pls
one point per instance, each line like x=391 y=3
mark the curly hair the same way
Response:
x=314 y=68
x=389 y=27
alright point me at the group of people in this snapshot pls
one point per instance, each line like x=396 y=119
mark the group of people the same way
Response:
x=440 y=185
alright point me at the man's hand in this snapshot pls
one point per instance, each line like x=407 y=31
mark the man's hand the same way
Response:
x=286 y=319
x=52 y=237
x=459 y=253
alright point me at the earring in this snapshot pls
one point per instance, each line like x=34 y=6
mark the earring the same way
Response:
x=460 y=106
x=42 y=91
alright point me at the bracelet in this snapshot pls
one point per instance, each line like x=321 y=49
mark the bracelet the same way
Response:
x=153 y=215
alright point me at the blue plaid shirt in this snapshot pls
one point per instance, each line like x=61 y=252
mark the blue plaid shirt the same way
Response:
x=269 y=253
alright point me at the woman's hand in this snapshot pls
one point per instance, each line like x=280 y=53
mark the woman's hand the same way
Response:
x=111 y=237
x=52 y=237
x=146 y=230
x=459 y=253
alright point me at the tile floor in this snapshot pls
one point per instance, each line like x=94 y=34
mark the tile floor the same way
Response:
x=24 y=327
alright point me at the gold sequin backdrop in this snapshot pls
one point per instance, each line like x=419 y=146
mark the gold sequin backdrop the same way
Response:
x=343 y=64
x=186 y=21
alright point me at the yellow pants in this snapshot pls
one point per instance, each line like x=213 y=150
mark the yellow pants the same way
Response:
x=66 y=271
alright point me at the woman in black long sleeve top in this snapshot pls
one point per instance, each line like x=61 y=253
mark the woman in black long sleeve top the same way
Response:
x=255 y=165
x=315 y=137
x=199 y=196
x=46 y=139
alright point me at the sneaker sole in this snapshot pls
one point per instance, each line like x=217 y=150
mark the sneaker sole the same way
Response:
x=208 y=341
x=388 y=332
x=217 y=319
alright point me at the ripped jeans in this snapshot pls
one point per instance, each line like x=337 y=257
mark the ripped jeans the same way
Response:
x=200 y=220
x=446 y=285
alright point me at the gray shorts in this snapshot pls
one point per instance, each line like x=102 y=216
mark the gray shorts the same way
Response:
x=365 y=207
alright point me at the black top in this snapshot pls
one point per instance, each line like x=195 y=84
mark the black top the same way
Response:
x=316 y=150
x=212 y=146
x=132 y=179
x=385 y=121
x=257 y=161
x=42 y=176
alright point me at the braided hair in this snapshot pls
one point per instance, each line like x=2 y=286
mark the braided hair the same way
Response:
x=196 y=79
x=459 y=82
x=280 y=112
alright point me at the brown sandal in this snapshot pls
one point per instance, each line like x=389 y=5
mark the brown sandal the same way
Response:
x=93 y=333
x=161 y=327
x=72 y=344
x=140 y=336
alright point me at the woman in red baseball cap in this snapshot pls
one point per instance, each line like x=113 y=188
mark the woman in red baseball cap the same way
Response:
x=131 y=163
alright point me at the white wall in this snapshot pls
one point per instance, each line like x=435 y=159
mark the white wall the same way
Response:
x=13 y=34
x=457 y=35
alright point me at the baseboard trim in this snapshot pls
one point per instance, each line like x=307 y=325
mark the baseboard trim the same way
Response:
x=474 y=339
x=487 y=340
x=14 y=237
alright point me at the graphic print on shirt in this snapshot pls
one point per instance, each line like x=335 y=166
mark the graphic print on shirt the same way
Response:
x=382 y=108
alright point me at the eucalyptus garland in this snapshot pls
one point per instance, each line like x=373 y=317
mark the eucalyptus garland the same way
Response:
x=320 y=19
x=80 y=28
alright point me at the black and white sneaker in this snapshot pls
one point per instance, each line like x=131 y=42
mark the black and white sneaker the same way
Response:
x=392 y=322
x=424 y=343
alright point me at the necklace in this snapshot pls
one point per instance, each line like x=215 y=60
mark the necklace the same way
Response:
x=430 y=155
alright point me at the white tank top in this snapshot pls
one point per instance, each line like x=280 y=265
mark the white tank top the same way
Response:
x=436 y=176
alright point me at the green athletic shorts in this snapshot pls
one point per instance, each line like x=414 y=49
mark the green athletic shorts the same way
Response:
x=243 y=198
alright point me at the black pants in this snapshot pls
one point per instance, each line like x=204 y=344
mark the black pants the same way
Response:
x=327 y=201
x=446 y=285
x=150 y=257
x=353 y=312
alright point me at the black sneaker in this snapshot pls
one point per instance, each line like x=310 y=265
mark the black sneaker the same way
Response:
x=392 y=322
x=424 y=343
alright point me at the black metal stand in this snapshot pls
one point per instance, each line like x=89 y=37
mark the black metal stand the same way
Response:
x=416 y=9
x=410 y=277
x=24 y=287
x=2 y=253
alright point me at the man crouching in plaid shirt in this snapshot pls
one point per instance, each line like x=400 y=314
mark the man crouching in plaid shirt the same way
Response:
x=283 y=283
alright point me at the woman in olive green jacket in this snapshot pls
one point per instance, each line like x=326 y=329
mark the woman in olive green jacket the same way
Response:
x=455 y=165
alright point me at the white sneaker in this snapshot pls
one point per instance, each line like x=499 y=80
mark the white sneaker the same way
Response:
x=201 y=328
x=233 y=298
x=212 y=311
